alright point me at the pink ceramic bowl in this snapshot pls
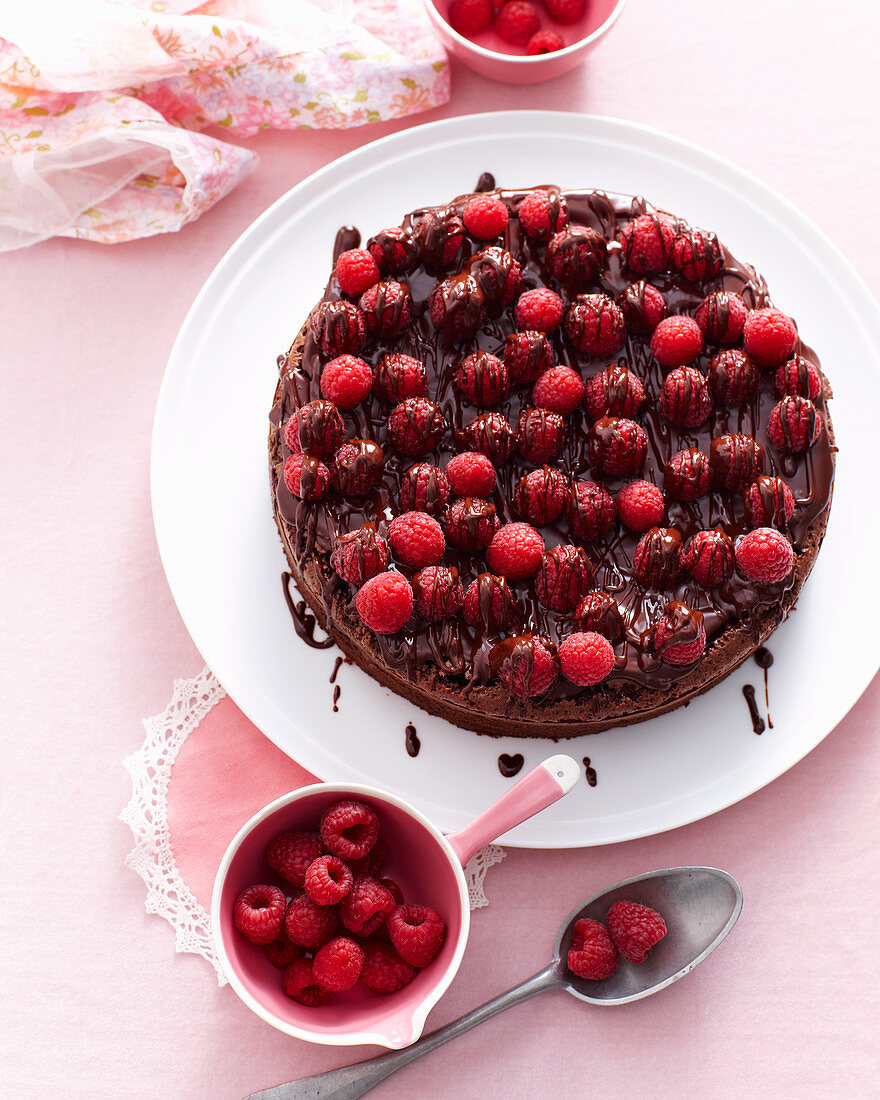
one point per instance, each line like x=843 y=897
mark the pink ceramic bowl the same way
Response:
x=488 y=55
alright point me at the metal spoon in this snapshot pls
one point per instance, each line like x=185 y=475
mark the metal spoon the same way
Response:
x=700 y=906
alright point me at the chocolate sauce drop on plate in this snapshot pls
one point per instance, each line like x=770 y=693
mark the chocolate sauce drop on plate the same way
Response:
x=304 y=621
x=337 y=691
x=413 y=744
x=486 y=182
x=757 y=720
x=592 y=778
x=336 y=667
x=764 y=659
x=510 y=765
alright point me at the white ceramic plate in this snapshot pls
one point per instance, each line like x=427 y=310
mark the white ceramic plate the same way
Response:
x=223 y=558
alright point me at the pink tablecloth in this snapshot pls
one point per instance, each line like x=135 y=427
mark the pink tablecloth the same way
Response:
x=95 y=1002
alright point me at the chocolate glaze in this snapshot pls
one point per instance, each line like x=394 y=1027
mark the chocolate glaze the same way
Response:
x=303 y=620
x=590 y=772
x=757 y=720
x=337 y=691
x=413 y=744
x=510 y=765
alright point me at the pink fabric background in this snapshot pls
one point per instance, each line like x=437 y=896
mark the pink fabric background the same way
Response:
x=95 y=1003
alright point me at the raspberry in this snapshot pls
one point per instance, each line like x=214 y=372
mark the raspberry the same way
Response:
x=415 y=426
x=676 y=341
x=290 y=854
x=327 y=880
x=656 y=560
x=586 y=658
x=769 y=336
x=528 y=666
x=591 y=510
x=367 y=907
x=416 y=539
x=708 y=557
x=592 y=954
x=306 y=477
x=417 y=931
x=541 y=495
x=643 y=306
x=387 y=308
x=384 y=971
x=392 y=249
x=424 y=488
x=470 y=17
x=281 y=952
x=646 y=242
x=400 y=376
x=686 y=399
x=385 y=603
x=733 y=378
x=438 y=592
x=458 y=306
x=640 y=505
x=764 y=556
x=576 y=255
x=491 y=435
x=566 y=11
x=337 y=966
x=696 y=255
x=485 y=216
x=498 y=274
x=565 y=576
x=599 y=612
x=799 y=377
x=307 y=924
x=559 y=389
x=527 y=355
x=470 y=524
x=515 y=551
x=735 y=460
x=338 y=328
x=490 y=604
x=679 y=636
x=482 y=378
x=356 y=270
x=686 y=475
x=634 y=929
x=794 y=424
x=471 y=474
x=349 y=829
x=359 y=555
x=357 y=467
x=346 y=381
x=539 y=309
x=539 y=434
x=595 y=325
x=393 y=889
x=437 y=237
x=768 y=503
x=299 y=983
x=516 y=22
x=615 y=391
x=617 y=446
x=315 y=427
x=259 y=913
x=542 y=213
x=721 y=317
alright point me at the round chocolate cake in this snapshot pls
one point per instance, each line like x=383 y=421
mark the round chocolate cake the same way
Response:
x=548 y=462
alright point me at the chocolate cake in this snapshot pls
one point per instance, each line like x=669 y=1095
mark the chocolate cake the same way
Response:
x=727 y=417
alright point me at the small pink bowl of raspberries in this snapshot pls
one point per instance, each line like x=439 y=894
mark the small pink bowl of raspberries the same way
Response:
x=522 y=41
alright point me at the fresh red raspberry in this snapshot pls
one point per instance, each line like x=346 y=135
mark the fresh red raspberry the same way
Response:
x=721 y=317
x=540 y=434
x=438 y=592
x=357 y=467
x=798 y=377
x=417 y=931
x=485 y=216
x=289 y=855
x=384 y=971
x=458 y=306
x=415 y=426
x=527 y=355
x=595 y=325
x=471 y=474
x=327 y=880
x=657 y=558
x=516 y=22
x=640 y=505
x=515 y=551
x=338 y=328
x=679 y=636
x=643 y=306
x=281 y=952
x=768 y=503
x=735 y=460
x=338 y=964
x=346 y=381
x=356 y=270
x=559 y=389
x=490 y=604
x=794 y=424
x=482 y=378
x=592 y=954
x=416 y=539
x=528 y=665
x=259 y=913
x=498 y=274
x=686 y=399
x=539 y=309
x=769 y=336
x=708 y=557
x=617 y=446
x=576 y=255
x=365 y=910
x=307 y=924
x=542 y=213
x=615 y=391
x=733 y=378
x=696 y=255
x=646 y=242
x=599 y=612
x=491 y=435
x=565 y=576
x=349 y=829
x=385 y=603
x=424 y=488
x=437 y=237
x=676 y=341
x=393 y=250
x=586 y=658
x=315 y=427
x=764 y=555
x=300 y=985
x=566 y=11
x=400 y=376
x=359 y=555
x=591 y=510
x=634 y=929
x=470 y=17
x=686 y=475
x=306 y=476
x=541 y=495
x=470 y=524
x=387 y=308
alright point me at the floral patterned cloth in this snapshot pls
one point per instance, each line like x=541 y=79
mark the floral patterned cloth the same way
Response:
x=102 y=102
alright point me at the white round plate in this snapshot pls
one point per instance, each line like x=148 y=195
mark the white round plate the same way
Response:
x=224 y=560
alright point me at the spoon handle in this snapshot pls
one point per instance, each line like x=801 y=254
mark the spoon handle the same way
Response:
x=349 y=1082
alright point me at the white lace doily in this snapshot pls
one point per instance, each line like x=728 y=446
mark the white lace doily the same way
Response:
x=146 y=815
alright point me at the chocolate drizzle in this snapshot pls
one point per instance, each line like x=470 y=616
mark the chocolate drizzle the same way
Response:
x=757 y=721
x=413 y=744
x=304 y=621
x=510 y=765
x=590 y=772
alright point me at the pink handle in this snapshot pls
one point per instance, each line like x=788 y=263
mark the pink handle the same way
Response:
x=543 y=786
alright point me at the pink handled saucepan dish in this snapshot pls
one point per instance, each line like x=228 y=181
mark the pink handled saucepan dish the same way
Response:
x=429 y=869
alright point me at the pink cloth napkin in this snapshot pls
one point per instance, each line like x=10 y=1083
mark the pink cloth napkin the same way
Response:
x=101 y=102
